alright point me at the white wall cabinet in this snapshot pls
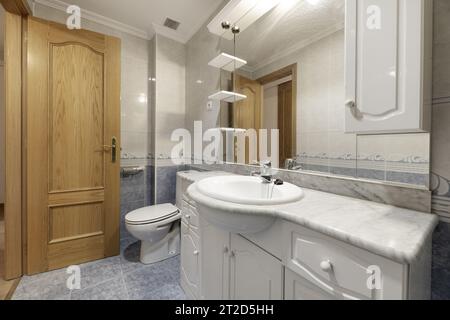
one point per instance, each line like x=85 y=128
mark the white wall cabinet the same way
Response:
x=388 y=66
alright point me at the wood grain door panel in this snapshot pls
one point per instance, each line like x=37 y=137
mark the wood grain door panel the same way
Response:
x=73 y=111
x=75 y=221
x=285 y=122
x=247 y=112
x=76 y=116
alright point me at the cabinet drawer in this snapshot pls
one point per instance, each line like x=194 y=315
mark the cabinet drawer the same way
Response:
x=190 y=216
x=341 y=269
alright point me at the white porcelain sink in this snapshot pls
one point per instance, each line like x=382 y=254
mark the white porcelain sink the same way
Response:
x=249 y=191
x=221 y=194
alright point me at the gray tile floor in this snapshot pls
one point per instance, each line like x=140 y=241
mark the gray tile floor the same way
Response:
x=118 y=278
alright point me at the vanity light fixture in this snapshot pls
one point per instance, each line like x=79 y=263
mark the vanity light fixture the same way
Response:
x=240 y=12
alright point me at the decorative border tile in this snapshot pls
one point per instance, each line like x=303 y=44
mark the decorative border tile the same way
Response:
x=441 y=197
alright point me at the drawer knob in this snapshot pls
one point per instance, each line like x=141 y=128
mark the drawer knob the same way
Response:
x=188 y=216
x=326 y=266
x=196 y=253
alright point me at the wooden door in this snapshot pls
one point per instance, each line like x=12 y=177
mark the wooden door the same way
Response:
x=72 y=116
x=247 y=112
x=254 y=274
x=285 y=123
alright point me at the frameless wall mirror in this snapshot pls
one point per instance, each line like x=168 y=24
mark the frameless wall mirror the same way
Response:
x=300 y=69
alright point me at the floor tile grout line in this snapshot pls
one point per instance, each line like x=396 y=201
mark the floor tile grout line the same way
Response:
x=86 y=288
x=124 y=282
x=98 y=284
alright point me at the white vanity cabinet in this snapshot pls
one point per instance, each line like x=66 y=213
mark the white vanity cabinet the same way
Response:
x=320 y=267
x=190 y=257
x=235 y=268
x=190 y=254
x=190 y=251
x=292 y=262
x=388 y=65
x=218 y=265
x=215 y=263
x=254 y=273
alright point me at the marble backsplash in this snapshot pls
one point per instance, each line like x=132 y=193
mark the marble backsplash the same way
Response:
x=408 y=197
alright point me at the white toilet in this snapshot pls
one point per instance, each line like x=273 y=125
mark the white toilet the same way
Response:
x=158 y=228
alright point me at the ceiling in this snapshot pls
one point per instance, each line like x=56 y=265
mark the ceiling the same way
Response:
x=143 y=14
x=286 y=29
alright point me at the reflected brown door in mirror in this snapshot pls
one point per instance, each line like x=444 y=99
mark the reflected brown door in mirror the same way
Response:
x=285 y=123
x=247 y=112
x=72 y=116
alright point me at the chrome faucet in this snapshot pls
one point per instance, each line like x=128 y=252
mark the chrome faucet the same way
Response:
x=266 y=171
x=291 y=164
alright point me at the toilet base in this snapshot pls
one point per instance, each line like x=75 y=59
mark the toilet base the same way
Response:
x=162 y=250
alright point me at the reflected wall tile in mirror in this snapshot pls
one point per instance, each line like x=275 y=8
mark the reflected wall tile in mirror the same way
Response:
x=342 y=153
x=402 y=158
x=315 y=152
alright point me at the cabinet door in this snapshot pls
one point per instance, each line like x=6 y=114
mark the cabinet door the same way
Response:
x=254 y=274
x=215 y=244
x=388 y=65
x=190 y=260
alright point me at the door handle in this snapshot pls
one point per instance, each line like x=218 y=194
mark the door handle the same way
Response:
x=351 y=104
x=113 y=148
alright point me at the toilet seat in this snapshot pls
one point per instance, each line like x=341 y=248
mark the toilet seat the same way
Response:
x=152 y=214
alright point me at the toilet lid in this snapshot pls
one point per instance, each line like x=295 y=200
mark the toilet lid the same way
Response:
x=151 y=214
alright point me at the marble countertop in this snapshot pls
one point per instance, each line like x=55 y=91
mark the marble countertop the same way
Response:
x=395 y=233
